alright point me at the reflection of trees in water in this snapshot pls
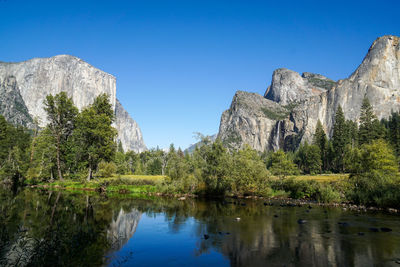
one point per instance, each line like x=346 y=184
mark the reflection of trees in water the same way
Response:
x=76 y=229
x=260 y=239
x=55 y=228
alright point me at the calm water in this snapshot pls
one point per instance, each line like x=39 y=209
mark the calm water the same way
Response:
x=77 y=229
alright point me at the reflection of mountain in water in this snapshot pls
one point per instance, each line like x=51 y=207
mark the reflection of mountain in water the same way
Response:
x=122 y=228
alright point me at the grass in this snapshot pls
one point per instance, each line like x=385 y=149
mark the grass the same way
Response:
x=127 y=184
x=323 y=178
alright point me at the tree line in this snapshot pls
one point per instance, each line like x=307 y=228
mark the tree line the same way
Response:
x=81 y=145
x=71 y=145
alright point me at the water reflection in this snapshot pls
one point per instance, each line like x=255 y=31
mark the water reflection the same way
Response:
x=122 y=228
x=67 y=229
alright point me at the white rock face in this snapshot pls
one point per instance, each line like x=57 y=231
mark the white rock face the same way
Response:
x=128 y=130
x=312 y=97
x=38 y=77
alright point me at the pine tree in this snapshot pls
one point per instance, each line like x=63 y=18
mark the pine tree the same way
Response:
x=370 y=129
x=321 y=141
x=393 y=125
x=61 y=114
x=339 y=139
x=95 y=134
x=282 y=165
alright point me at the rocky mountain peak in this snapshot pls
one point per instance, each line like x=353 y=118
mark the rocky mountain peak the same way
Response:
x=299 y=101
x=288 y=86
x=381 y=65
x=38 y=77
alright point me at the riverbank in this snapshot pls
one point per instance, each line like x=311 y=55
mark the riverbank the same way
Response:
x=322 y=190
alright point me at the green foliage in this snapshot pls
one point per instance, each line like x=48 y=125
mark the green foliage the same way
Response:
x=274 y=114
x=281 y=165
x=61 y=114
x=321 y=141
x=248 y=173
x=326 y=84
x=215 y=169
x=106 y=169
x=370 y=129
x=311 y=189
x=393 y=131
x=14 y=145
x=308 y=158
x=377 y=174
x=94 y=135
x=339 y=139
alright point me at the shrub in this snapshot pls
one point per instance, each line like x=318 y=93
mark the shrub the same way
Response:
x=106 y=169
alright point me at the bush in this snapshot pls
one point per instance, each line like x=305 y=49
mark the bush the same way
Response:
x=299 y=189
x=106 y=169
x=328 y=194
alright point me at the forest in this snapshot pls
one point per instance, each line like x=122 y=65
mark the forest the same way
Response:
x=81 y=146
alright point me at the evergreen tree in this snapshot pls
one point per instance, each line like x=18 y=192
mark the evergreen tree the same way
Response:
x=339 y=139
x=321 y=141
x=308 y=158
x=282 y=165
x=352 y=133
x=95 y=134
x=370 y=129
x=61 y=114
x=393 y=131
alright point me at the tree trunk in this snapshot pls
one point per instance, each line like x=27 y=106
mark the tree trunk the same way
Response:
x=89 y=174
x=58 y=159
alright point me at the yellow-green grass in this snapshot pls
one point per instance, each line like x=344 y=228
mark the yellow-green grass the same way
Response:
x=127 y=183
x=322 y=178
x=154 y=178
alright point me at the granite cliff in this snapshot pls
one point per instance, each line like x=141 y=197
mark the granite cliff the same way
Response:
x=288 y=112
x=24 y=86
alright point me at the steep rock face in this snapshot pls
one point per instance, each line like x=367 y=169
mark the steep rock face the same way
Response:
x=378 y=78
x=250 y=120
x=12 y=106
x=312 y=97
x=38 y=77
x=128 y=130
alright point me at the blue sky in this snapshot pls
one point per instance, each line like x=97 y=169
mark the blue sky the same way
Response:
x=179 y=63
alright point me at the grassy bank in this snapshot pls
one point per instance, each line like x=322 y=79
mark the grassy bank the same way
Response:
x=300 y=186
x=124 y=184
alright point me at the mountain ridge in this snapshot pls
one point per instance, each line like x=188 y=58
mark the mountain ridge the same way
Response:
x=310 y=97
x=38 y=77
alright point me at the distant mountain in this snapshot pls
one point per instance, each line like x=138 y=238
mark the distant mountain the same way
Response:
x=24 y=86
x=288 y=112
x=192 y=147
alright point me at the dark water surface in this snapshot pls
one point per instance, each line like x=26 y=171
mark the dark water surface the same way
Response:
x=43 y=228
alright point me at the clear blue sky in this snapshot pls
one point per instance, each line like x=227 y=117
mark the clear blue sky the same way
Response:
x=179 y=63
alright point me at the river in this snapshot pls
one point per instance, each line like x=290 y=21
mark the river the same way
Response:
x=40 y=227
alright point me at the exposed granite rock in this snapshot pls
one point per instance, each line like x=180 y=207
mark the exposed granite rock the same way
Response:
x=312 y=97
x=12 y=106
x=38 y=77
x=128 y=130
x=250 y=120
